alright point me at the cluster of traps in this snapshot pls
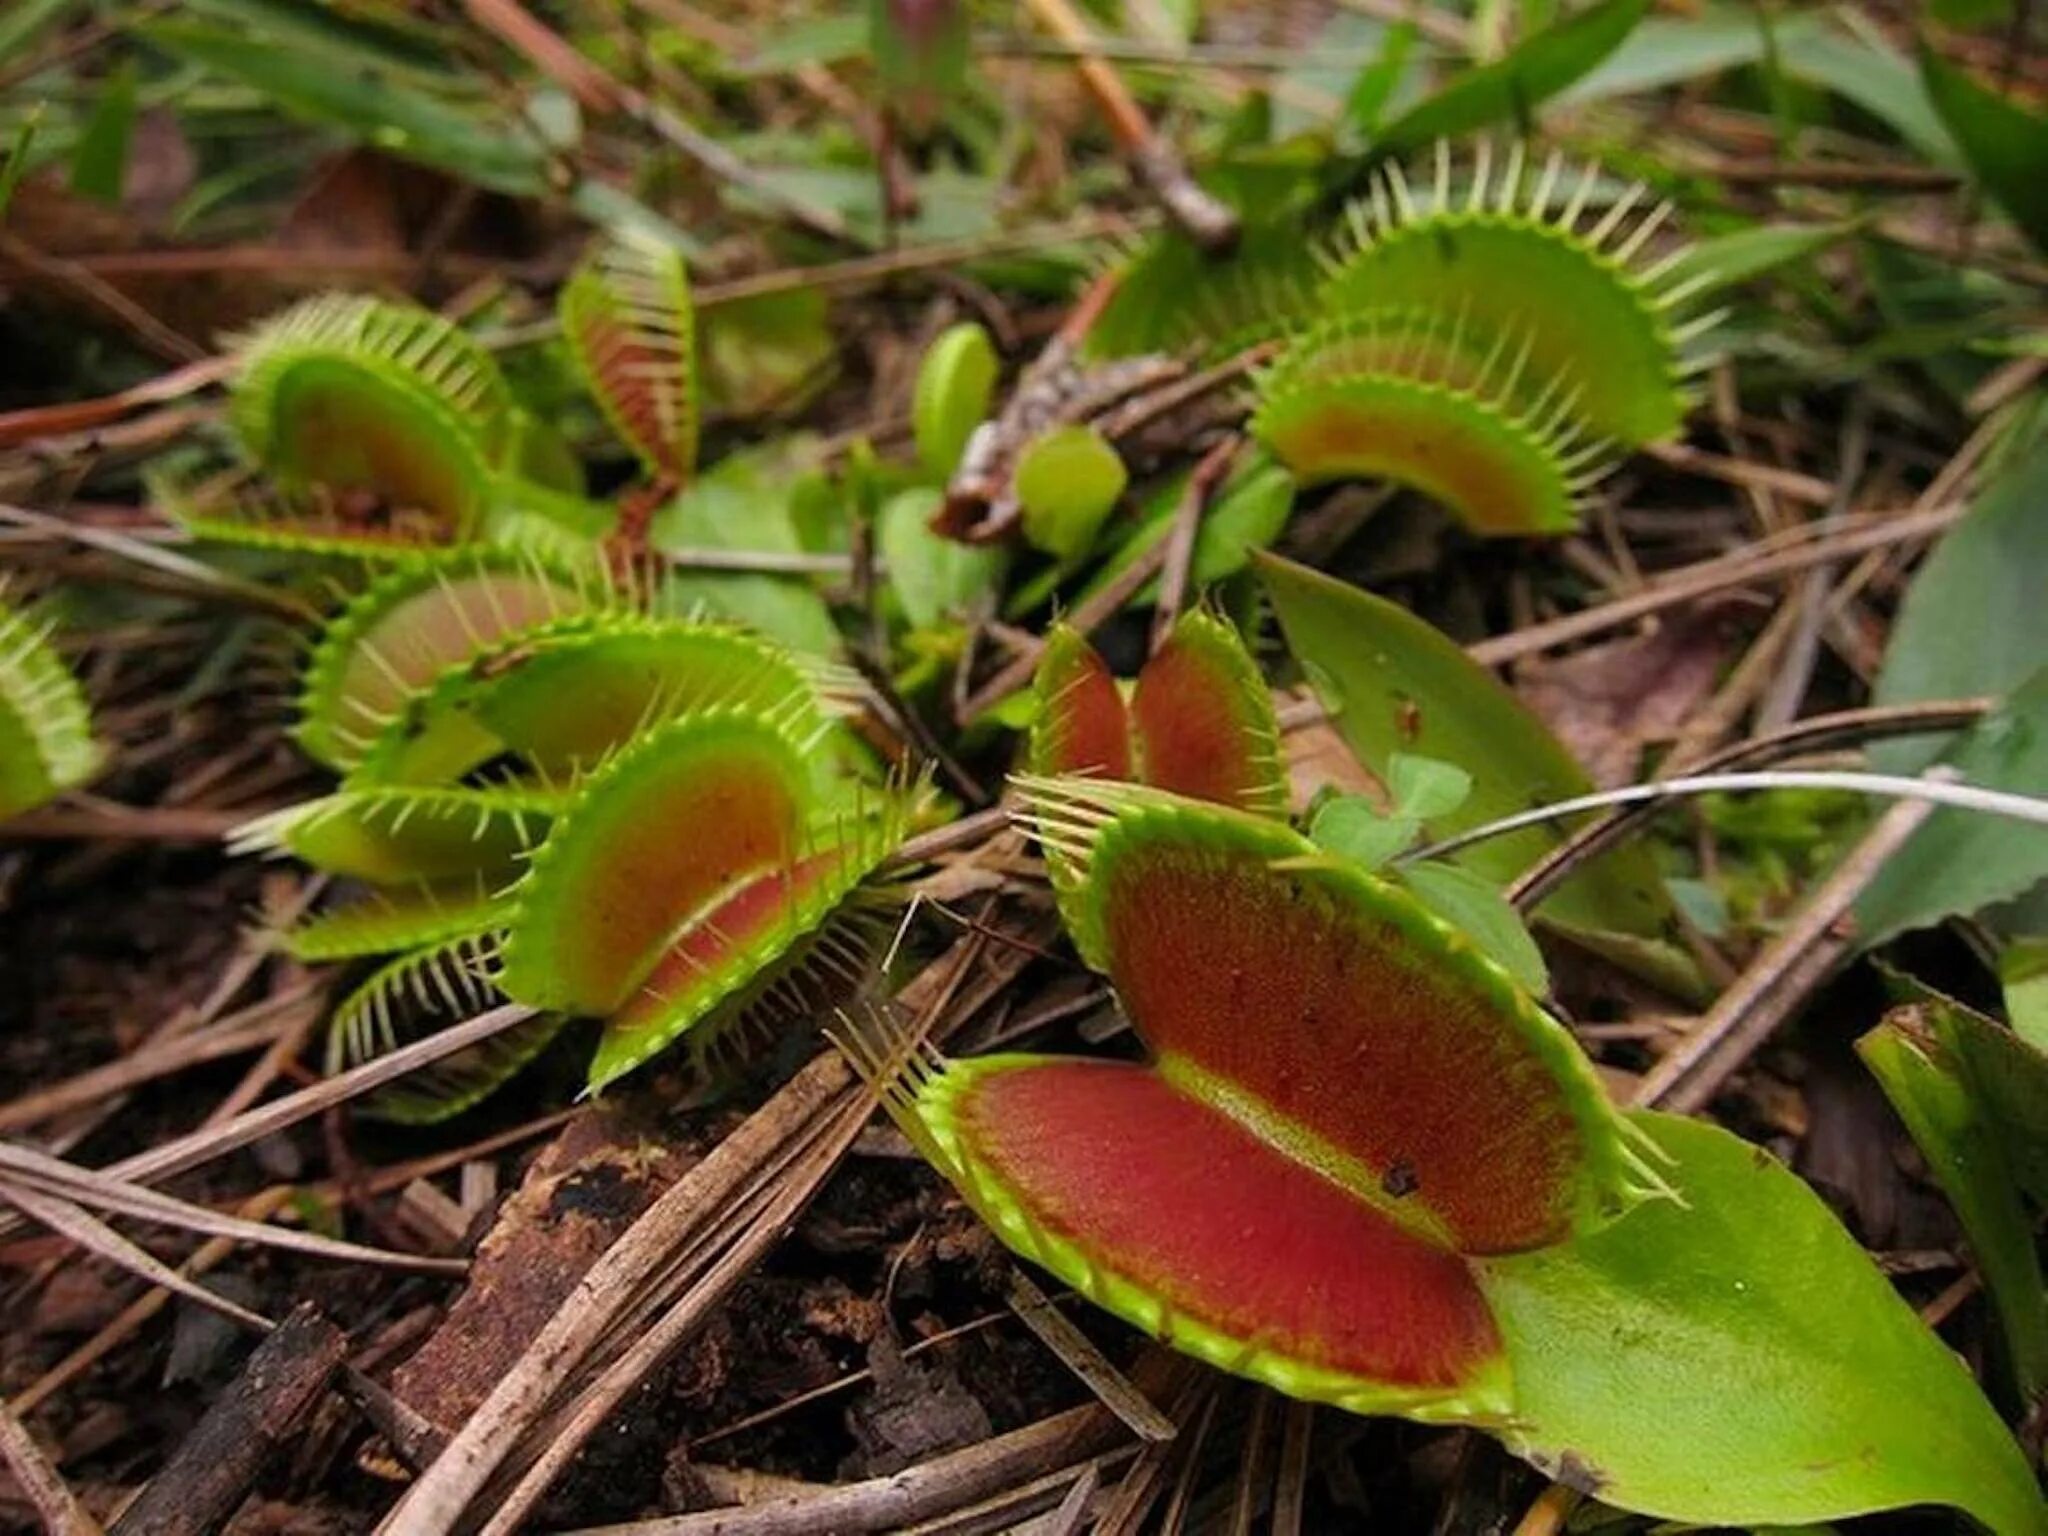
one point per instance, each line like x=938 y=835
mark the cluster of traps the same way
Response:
x=373 y=430
x=553 y=793
x=1495 y=339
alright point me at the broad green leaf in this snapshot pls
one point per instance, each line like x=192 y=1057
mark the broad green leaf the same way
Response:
x=743 y=504
x=1971 y=622
x=2023 y=972
x=954 y=383
x=1963 y=861
x=1473 y=905
x=935 y=578
x=1352 y=827
x=1068 y=481
x=1425 y=788
x=1961 y=1146
x=1669 y=50
x=1510 y=89
x=99 y=160
x=2005 y=144
x=1736 y=1359
x=1736 y=258
x=2008 y=1078
x=374 y=108
x=1392 y=684
x=1867 y=70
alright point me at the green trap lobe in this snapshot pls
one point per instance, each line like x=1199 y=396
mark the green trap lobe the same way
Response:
x=344 y=429
x=1584 y=316
x=662 y=836
x=1495 y=474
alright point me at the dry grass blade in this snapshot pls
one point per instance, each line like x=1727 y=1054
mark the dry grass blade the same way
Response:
x=189 y=1151
x=85 y=1187
x=247 y=593
x=437 y=1502
x=62 y=1514
x=940 y=1486
x=624 y=1282
x=1077 y=1352
x=738 y=1246
x=133 y=1317
x=70 y=1220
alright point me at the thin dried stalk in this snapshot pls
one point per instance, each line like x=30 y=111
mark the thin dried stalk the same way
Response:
x=53 y=1499
x=70 y=1220
x=86 y=1187
x=1781 y=976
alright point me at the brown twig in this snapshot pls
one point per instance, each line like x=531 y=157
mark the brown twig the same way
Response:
x=218 y=1463
x=61 y=1513
x=1155 y=162
x=1179 y=554
x=600 y=94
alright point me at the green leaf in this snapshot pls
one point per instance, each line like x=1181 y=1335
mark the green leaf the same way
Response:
x=16 y=164
x=2005 y=144
x=1736 y=258
x=1962 y=1150
x=1669 y=50
x=1868 y=71
x=1475 y=907
x=935 y=578
x=23 y=22
x=99 y=161
x=1392 y=684
x=1962 y=861
x=1246 y=515
x=771 y=352
x=1737 y=1359
x=743 y=504
x=954 y=383
x=1425 y=788
x=373 y=107
x=1068 y=481
x=919 y=45
x=1510 y=89
x=2023 y=972
x=1352 y=827
x=2008 y=1079
x=1375 y=84
x=1971 y=622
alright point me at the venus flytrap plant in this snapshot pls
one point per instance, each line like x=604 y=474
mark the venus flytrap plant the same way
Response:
x=428 y=613
x=1198 y=721
x=688 y=878
x=46 y=740
x=379 y=424
x=560 y=697
x=1476 y=343
x=627 y=316
x=1362 y=1166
